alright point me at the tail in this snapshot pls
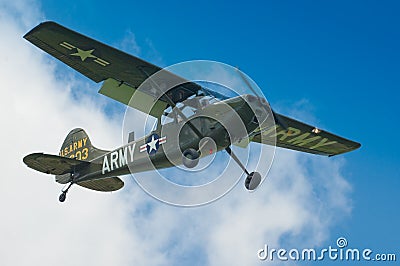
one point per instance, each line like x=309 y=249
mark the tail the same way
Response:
x=79 y=151
x=77 y=145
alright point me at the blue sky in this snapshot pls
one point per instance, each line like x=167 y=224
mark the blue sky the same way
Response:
x=334 y=63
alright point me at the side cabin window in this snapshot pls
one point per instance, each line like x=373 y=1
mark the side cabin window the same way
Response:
x=170 y=116
x=188 y=108
x=167 y=119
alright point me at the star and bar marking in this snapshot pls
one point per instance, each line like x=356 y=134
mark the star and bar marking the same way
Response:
x=153 y=144
x=84 y=54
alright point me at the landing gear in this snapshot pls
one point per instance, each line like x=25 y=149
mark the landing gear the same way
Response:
x=190 y=158
x=253 y=179
x=63 y=194
x=62 y=197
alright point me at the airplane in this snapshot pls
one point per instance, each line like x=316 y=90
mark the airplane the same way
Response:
x=177 y=138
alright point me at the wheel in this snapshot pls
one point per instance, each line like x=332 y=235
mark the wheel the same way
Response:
x=252 y=181
x=190 y=158
x=62 y=197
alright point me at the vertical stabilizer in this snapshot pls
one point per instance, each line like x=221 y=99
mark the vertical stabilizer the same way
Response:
x=78 y=145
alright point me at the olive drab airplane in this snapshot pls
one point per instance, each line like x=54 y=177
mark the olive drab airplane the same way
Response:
x=121 y=74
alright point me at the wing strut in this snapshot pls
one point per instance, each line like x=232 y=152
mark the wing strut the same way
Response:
x=173 y=105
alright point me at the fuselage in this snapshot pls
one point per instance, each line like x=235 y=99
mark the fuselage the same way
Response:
x=163 y=147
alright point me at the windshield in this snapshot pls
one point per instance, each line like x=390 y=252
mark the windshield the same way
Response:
x=210 y=93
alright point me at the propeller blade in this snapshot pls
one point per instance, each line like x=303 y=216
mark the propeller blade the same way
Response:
x=278 y=120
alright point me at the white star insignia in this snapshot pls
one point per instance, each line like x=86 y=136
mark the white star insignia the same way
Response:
x=152 y=144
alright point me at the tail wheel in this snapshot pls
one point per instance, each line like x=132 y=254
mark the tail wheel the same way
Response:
x=62 y=197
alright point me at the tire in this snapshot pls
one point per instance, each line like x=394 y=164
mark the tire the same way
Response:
x=62 y=197
x=252 y=181
x=190 y=158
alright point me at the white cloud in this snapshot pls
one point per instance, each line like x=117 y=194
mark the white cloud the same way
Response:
x=298 y=204
x=37 y=111
x=129 y=44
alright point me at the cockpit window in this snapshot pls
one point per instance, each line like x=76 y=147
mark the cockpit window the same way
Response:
x=187 y=108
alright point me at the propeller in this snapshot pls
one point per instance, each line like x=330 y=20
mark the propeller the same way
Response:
x=277 y=118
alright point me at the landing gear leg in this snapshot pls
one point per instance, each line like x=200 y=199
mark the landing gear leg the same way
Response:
x=253 y=179
x=63 y=195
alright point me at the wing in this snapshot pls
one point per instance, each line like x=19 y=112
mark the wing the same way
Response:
x=53 y=164
x=122 y=73
x=105 y=184
x=302 y=137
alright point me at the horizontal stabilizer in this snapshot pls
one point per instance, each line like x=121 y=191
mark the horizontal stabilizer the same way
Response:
x=105 y=184
x=53 y=164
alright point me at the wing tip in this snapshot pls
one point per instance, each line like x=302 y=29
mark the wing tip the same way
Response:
x=44 y=24
x=349 y=149
x=357 y=146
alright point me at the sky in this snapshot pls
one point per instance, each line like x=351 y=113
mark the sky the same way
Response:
x=333 y=64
